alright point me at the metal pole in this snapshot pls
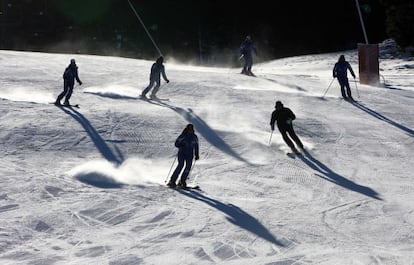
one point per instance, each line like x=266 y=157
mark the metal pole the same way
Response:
x=191 y=169
x=362 y=21
x=145 y=28
x=328 y=87
x=270 y=139
x=168 y=176
x=356 y=87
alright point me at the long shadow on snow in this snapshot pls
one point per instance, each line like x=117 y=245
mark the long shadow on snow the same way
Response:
x=206 y=131
x=333 y=177
x=236 y=216
x=95 y=179
x=111 y=95
x=382 y=117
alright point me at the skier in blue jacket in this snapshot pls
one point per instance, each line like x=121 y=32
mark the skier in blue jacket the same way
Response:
x=340 y=71
x=157 y=70
x=69 y=76
x=246 y=49
x=187 y=144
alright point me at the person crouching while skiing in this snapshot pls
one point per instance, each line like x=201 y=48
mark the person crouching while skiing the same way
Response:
x=284 y=117
x=187 y=144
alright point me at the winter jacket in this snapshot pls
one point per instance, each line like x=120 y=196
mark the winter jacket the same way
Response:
x=71 y=73
x=156 y=70
x=341 y=69
x=187 y=143
x=284 y=118
x=247 y=48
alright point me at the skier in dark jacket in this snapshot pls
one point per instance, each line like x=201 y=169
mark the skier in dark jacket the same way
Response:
x=187 y=144
x=284 y=117
x=157 y=70
x=69 y=76
x=246 y=50
x=340 y=71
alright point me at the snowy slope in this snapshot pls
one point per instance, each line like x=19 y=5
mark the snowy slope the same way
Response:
x=87 y=186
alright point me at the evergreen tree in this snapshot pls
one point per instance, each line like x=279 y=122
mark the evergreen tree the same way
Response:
x=400 y=21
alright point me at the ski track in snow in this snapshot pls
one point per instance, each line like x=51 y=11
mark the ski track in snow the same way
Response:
x=87 y=185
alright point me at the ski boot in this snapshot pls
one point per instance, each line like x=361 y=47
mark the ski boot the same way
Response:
x=182 y=184
x=171 y=184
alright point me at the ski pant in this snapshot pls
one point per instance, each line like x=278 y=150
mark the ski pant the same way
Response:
x=67 y=91
x=344 y=83
x=182 y=159
x=248 y=63
x=157 y=82
x=289 y=130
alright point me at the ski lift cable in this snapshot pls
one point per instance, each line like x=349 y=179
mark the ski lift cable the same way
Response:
x=145 y=28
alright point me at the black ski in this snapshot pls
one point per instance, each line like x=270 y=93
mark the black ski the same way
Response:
x=153 y=99
x=190 y=187
x=70 y=106
x=197 y=187
x=67 y=106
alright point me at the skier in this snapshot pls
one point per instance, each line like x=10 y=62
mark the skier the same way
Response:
x=155 y=77
x=340 y=71
x=187 y=144
x=284 y=117
x=69 y=76
x=246 y=50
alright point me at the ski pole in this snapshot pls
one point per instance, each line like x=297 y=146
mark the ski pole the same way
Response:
x=168 y=176
x=270 y=139
x=191 y=169
x=328 y=87
x=356 y=87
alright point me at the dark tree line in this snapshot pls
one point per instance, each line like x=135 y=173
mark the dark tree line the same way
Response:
x=202 y=31
x=400 y=21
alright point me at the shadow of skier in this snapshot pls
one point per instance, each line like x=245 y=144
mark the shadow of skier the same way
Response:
x=204 y=129
x=236 y=216
x=329 y=175
x=383 y=118
x=94 y=135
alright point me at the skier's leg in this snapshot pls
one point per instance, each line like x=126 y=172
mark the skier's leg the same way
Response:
x=295 y=138
x=244 y=68
x=61 y=95
x=348 y=89
x=157 y=86
x=69 y=94
x=287 y=140
x=187 y=169
x=147 y=88
x=342 y=85
x=177 y=170
x=249 y=65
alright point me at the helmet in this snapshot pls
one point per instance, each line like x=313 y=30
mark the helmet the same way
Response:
x=72 y=61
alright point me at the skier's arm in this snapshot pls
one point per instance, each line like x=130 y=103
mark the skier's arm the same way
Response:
x=179 y=141
x=77 y=77
x=350 y=70
x=272 y=121
x=196 y=148
x=334 y=71
x=164 y=75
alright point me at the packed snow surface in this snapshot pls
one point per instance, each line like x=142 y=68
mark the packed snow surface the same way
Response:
x=87 y=185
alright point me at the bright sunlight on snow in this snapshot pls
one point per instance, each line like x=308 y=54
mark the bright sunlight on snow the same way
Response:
x=87 y=185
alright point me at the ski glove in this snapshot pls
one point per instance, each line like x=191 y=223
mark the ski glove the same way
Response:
x=273 y=127
x=80 y=83
x=167 y=81
x=197 y=157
